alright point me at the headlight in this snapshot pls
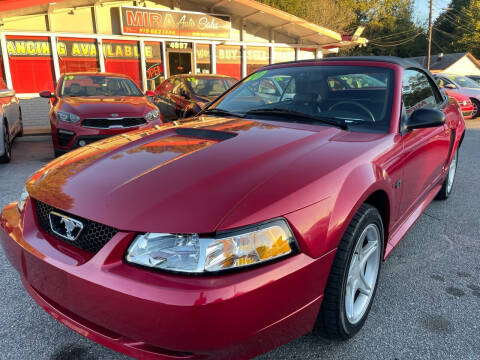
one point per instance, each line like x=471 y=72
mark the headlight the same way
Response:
x=153 y=115
x=464 y=102
x=67 y=117
x=22 y=200
x=193 y=254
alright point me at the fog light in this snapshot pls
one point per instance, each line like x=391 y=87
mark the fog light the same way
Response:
x=82 y=143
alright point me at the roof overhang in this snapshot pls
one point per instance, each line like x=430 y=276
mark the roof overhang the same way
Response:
x=250 y=11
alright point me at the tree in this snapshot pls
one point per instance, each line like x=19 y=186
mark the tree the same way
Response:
x=389 y=23
x=458 y=28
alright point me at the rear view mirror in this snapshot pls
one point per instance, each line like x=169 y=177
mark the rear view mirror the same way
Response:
x=150 y=93
x=47 y=94
x=184 y=94
x=424 y=118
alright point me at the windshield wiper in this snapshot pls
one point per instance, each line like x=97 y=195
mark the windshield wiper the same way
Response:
x=220 y=112
x=340 y=123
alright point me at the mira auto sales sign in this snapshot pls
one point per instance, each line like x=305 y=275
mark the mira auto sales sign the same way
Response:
x=153 y=22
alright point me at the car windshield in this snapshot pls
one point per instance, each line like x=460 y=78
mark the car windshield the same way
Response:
x=355 y=97
x=209 y=87
x=95 y=86
x=464 y=81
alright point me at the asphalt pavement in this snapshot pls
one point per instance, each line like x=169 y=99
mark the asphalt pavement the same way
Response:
x=427 y=305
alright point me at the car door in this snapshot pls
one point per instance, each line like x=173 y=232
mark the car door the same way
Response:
x=425 y=151
x=180 y=97
x=164 y=100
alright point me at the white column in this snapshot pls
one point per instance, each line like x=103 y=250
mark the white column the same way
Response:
x=194 y=58
x=244 y=61
x=143 y=64
x=101 y=58
x=272 y=54
x=297 y=53
x=164 y=56
x=213 y=58
x=6 y=62
x=56 y=65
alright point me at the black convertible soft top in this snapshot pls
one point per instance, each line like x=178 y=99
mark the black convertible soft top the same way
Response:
x=406 y=63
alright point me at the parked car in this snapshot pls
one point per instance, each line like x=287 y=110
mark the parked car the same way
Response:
x=10 y=121
x=272 y=219
x=182 y=96
x=464 y=102
x=87 y=107
x=465 y=86
x=475 y=78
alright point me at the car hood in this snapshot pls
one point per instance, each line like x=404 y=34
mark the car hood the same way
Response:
x=106 y=106
x=175 y=178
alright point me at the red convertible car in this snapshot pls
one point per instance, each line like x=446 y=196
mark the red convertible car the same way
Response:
x=87 y=107
x=240 y=229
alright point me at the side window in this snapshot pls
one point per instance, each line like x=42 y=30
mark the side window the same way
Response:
x=179 y=87
x=417 y=92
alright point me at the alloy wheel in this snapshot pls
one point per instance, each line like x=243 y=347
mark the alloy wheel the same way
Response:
x=362 y=274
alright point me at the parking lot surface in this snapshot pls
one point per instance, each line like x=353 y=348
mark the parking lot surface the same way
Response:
x=427 y=304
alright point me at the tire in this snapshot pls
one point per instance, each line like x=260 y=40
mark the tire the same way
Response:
x=336 y=319
x=476 y=108
x=447 y=185
x=7 y=155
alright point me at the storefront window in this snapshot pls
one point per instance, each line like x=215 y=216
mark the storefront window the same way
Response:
x=204 y=61
x=154 y=62
x=229 y=60
x=76 y=55
x=123 y=57
x=306 y=54
x=257 y=56
x=31 y=64
x=282 y=54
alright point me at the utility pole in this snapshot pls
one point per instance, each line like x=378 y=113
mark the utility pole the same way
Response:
x=430 y=35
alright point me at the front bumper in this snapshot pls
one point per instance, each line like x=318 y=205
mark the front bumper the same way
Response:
x=67 y=136
x=153 y=315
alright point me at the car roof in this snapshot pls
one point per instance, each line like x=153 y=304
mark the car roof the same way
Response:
x=95 y=73
x=405 y=63
x=203 y=76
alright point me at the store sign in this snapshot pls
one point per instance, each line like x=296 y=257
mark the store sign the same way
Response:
x=154 y=71
x=229 y=54
x=258 y=55
x=153 y=22
x=78 y=49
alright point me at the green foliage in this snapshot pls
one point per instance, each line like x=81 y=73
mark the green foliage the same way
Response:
x=458 y=29
x=389 y=23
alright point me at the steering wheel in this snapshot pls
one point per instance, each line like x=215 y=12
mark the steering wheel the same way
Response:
x=357 y=104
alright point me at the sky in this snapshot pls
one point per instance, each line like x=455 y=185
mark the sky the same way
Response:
x=422 y=8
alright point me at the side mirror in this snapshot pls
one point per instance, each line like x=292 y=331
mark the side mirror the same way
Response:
x=47 y=94
x=150 y=93
x=450 y=86
x=424 y=118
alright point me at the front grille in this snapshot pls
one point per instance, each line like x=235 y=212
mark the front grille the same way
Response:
x=93 y=236
x=112 y=123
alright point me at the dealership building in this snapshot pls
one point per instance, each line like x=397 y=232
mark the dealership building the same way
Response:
x=151 y=40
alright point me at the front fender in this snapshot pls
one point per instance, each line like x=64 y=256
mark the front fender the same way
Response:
x=320 y=226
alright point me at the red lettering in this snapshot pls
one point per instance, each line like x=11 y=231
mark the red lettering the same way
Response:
x=155 y=20
x=134 y=20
